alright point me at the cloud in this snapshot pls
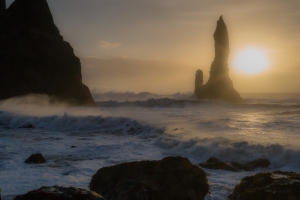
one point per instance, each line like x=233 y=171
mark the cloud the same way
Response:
x=108 y=45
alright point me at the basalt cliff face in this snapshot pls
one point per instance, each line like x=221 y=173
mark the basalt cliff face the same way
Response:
x=34 y=58
x=219 y=85
x=2 y=6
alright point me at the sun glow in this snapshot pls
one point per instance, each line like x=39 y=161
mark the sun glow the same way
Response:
x=251 y=61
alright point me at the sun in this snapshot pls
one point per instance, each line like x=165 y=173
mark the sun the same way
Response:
x=251 y=61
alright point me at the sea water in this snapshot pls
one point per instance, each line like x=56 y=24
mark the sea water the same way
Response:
x=77 y=141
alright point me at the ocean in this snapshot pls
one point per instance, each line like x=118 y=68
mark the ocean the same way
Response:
x=77 y=141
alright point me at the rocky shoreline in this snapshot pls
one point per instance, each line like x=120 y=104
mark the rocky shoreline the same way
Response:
x=172 y=178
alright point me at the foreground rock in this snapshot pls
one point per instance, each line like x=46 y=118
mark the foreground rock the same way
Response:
x=37 y=158
x=34 y=58
x=219 y=85
x=60 y=193
x=170 y=178
x=268 y=186
x=214 y=163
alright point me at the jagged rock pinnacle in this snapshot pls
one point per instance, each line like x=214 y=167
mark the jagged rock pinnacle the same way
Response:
x=198 y=80
x=219 y=85
x=34 y=58
x=219 y=65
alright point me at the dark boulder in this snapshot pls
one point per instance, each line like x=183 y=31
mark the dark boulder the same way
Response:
x=29 y=126
x=37 y=158
x=259 y=163
x=214 y=163
x=35 y=59
x=170 y=178
x=219 y=85
x=268 y=186
x=60 y=193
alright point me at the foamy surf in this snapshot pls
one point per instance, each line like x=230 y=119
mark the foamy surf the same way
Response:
x=78 y=141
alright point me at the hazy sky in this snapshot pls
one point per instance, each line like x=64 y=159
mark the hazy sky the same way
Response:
x=157 y=45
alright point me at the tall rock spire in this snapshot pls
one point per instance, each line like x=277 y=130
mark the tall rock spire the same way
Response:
x=220 y=65
x=221 y=40
x=219 y=85
x=2 y=6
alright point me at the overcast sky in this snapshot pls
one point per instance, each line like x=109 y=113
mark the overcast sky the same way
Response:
x=157 y=45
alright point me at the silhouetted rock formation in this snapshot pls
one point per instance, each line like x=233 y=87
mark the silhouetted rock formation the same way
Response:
x=37 y=158
x=274 y=186
x=214 y=163
x=219 y=85
x=60 y=193
x=34 y=58
x=170 y=178
x=2 y=6
x=198 y=80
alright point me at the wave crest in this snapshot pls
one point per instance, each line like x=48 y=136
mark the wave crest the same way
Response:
x=80 y=124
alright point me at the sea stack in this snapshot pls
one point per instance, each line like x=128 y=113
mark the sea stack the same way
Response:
x=219 y=85
x=35 y=59
x=2 y=7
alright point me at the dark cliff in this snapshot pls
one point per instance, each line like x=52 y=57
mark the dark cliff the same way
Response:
x=34 y=58
x=2 y=6
x=219 y=85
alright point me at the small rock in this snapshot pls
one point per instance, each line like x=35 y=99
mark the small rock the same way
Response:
x=60 y=193
x=27 y=126
x=259 y=163
x=214 y=163
x=35 y=158
x=268 y=186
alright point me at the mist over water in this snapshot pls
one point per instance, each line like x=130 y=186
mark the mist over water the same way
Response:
x=77 y=141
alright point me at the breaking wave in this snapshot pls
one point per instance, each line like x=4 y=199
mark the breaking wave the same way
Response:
x=163 y=102
x=200 y=149
x=131 y=96
x=169 y=102
x=80 y=124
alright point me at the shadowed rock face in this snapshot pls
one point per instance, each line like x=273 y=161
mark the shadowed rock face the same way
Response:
x=219 y=85
x=2 y=6
x=34 y=58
